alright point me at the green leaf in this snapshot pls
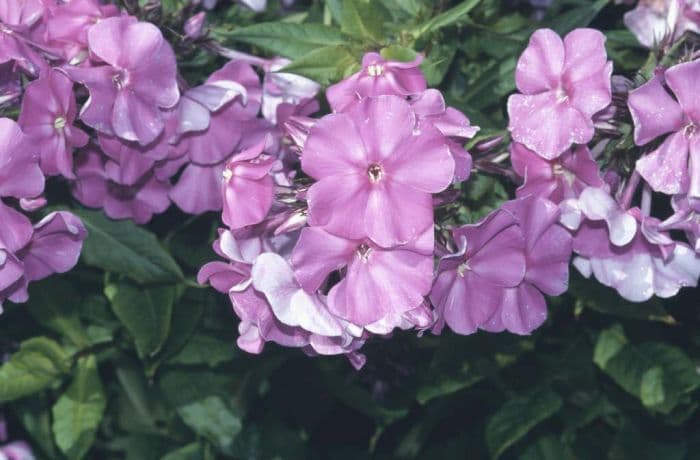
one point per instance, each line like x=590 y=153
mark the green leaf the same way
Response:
x=189 y=452
x=447 y=18
x=363 y=18
x=206 y=349
x=547 y=448
x=659 y=374
x=54 y=304
x=78 y=412
x=289 y=40
x=35 y=415
x=145 y=312
x=398 y=53
x=212 y=419
x=517 y=417
x=652 y=387
x=609 y=344
x=577 y=17
x=186 y=316
x=125 y=248
x=38 y=364
x=325 y=65
x=182 y=387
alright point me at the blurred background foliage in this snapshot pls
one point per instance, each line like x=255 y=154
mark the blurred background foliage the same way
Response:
x=126 y=357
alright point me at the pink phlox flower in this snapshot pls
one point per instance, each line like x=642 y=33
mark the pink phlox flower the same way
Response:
x=674 y=167
x=557 y=179
x=378 y=77
x=48 y=118
x=562 y=84
x=380 y=285
x=375 y=173
x=137 y=80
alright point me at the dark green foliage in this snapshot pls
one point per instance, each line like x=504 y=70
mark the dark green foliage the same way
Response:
x=127 y=358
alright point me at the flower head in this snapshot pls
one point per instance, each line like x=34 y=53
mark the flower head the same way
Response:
x=674 y=167
x=375 y=172
x=562 y=85
x=557 y=179
x=137 y=80
x=379 y=282
x=20 y=175
x=48 y=117
x=377 y=77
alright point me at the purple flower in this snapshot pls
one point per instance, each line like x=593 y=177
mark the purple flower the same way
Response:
x=629 y=251
x=379 y=282
x=469 y=286
x=20 y=175
x=248 y=187
x=68 y=23
x=280 y=88
x=375 y=172
x=674 y=167
x=10 y=84
x=547 y=254
x=137 y=80
x=29 y=253
x=657 y=21
x=18 y=450
x=98 y=185
x=563 y=84
x=47 y=117
x=215 y=113
x=596 y=205
x=218 y=119
x=557 y=179
x=639 y=269
x=686 y=217
x=430 y=108
x=270 y=302
x=378 y=77
x=17 y=20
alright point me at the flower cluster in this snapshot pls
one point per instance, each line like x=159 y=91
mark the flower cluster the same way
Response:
x=330 y=232
x=325 y=265
x=622 y=245
x=142 y=138
x=325 y=259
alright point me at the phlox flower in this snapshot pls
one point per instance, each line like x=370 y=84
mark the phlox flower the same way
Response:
x=378 y=77
x=655 y=21
x=378 y=283
x=548 y=248
x=248 y=186
x=375 y=171
x=67 y=25
x=31 y=253
x=674 y=167
x=137 y=80
x=431 y=109
x=98 y=184
x=281 y=88
x=20 y=175
x=629 y=251
x=47 y=117
x=270 y=302
x=218 y=119
x=18 y=18
x=469 y=286
x=562 y=84
x=557 y=179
